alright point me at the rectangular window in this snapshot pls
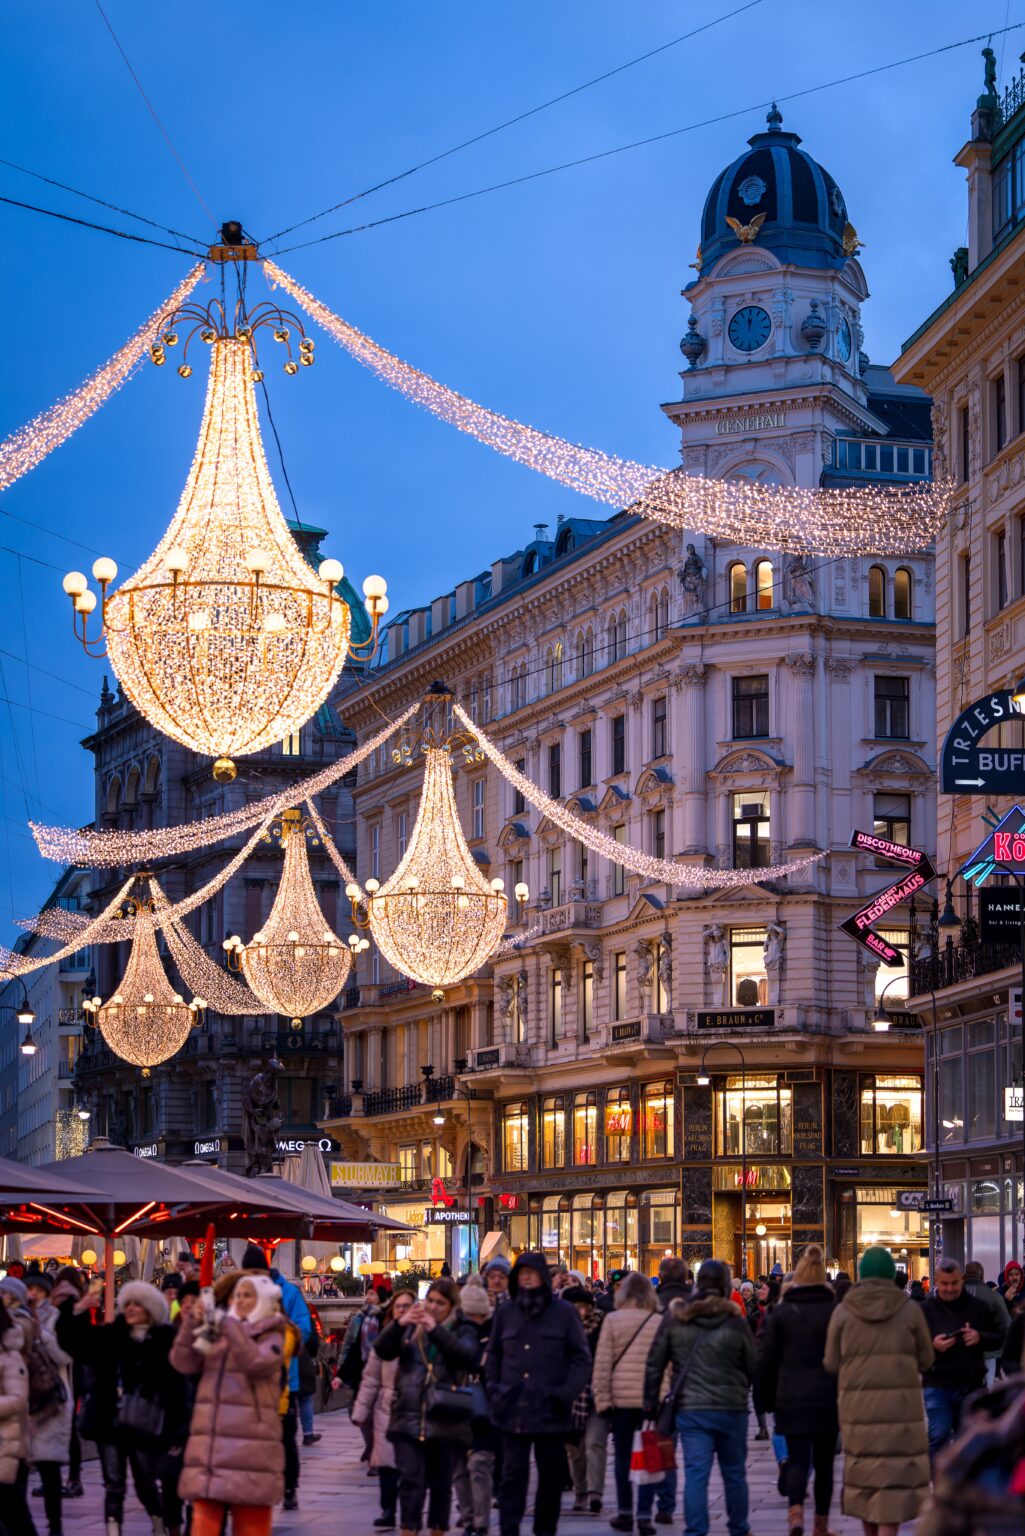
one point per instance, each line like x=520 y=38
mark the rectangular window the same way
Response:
x=555 y=875
x=657 y=820
x=585 y=1129
x=893 y=706
x=965 y=440
x=982 y=1093
x=618 y=1125
x=291 y=746
x=555 y=1004
x=891 y=1115
x=619 y=984
x=586 y=998
x=375 y=851
x=618 y=728
x=918 y=461
x=886 y=458
x=586 y=775
x=618 y=872
x=657 y=1113
x=750 y=706
x=891 y=819
x=407 y=1161
x=1000 y=573
x=999 y=412
x=555 y=771
x=749 y=987
x=513 y=879
x=401 y=834
x=966 y=594
x=870 y=456
x=659 y=726
x=519 y=804
x=553 y=1132
x=763 y=1107
x=584 y=868
x=751 y=829
x=515 y=1138
x=902 y=461
x=478 y=807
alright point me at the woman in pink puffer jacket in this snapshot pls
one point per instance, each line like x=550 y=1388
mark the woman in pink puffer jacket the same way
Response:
x=234 y=1456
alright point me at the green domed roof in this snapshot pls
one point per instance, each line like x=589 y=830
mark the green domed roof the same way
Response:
x=308 y=538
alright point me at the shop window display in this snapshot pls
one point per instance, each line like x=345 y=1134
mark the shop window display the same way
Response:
x=659 y=1228
x=891 y=1115
x=585 y=1129
x=620 y=1230
x=515 y=1138
x=878 y=1222
x=749 y=986
x=618 y=1125
x=553 y=1133
x=764 y=1107
x=657 y=1138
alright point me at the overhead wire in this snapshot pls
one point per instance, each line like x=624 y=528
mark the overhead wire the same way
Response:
x=510 y=122
x=656 y=138
x=122 y=234
x=102 y=202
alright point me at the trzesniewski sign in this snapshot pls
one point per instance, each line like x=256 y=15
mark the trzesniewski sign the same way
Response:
x=966 y=767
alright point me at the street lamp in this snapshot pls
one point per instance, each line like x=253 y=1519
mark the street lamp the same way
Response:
x=26 y=1016
x=703 y=1081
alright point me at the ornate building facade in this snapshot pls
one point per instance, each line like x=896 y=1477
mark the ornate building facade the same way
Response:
x=970 y=355
x=721 y=704
x=192 y=1105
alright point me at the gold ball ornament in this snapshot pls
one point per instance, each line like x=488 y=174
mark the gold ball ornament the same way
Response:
x=291 y=367
x=224 y=770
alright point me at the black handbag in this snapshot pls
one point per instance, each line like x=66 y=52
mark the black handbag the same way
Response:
x=139 y=1416
x=445 y=1404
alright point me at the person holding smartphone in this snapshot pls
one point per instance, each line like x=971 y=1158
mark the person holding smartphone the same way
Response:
x=962 y=1331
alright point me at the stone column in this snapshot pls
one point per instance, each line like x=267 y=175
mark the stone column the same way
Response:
x=799 y=710
x=695 y=832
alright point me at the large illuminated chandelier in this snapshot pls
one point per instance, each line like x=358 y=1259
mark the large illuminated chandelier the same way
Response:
x=145 y=1021
x=225 y=639
x=295 y=964
x=436 y=919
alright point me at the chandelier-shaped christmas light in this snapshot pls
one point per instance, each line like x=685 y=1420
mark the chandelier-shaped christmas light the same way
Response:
x=437 y=919
x=145 y=1021
x=295 y=964
x=225 y=639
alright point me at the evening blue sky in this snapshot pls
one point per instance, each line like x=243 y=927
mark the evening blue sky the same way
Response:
x=557 y=302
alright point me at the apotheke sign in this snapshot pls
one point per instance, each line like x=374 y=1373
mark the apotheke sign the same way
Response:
x=446 y=1216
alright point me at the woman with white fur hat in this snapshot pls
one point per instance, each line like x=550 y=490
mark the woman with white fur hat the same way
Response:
x=136 y=1407
x=234 y=1458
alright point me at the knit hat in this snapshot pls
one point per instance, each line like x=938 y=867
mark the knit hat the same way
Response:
x=146 y=1296
x=255 y=1258
x=171 y=1282
x=500 y=1263
x=578 y=1294
x=876 y=1264
x=13 y=1291
x=474 y=1301
x=38 y=1277
x=268 y=1297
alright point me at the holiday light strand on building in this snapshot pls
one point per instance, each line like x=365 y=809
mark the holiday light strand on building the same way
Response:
x=330 y=846
x=106 y=849
x=436 y=919
x=669 y=870
x=12 y=964
x=295 y=964
x=200 y=974
x=27 y=447
x=853 y=520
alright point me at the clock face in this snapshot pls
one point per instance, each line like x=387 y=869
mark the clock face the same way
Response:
x=750 y=328
x=843 y=341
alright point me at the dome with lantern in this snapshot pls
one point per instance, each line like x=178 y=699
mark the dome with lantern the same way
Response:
x=804 y=215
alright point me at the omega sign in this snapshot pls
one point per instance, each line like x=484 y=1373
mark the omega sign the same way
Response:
x=751 y=421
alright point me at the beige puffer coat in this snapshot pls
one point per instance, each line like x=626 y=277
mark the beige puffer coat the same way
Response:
x=617 y=1380
x=373 y=1402
x=878 y=1345
x=13 y=1403
x=234 y=1453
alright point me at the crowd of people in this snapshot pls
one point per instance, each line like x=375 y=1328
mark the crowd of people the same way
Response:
x=201 y=1394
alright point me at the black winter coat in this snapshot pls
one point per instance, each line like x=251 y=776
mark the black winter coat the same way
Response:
x=121 y=1364
x=535 y=1368
x=790 y=1376
x=442 y=1358
x=962 y=1368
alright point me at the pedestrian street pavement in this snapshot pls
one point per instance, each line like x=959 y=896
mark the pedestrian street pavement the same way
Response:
x=337 y=1496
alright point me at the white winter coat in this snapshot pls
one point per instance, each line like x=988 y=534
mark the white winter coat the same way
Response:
x=626 y=1336
x=373 y=1404
x=49 y=1431
x=13 y=1403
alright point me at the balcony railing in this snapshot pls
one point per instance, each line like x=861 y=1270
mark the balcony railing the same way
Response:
x=439 y=1089
x=955 y=962
x=388 y=1101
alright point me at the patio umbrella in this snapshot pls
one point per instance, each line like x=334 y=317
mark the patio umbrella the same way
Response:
x=20 y=1183
x=306 y=1172
x=325 y=1217
x=110 y=1194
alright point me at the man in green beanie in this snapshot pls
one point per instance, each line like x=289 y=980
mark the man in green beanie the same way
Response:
x=877 y=1264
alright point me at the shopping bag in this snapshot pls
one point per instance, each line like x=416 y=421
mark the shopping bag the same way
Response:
x=640 y=1474
x=659 y=1451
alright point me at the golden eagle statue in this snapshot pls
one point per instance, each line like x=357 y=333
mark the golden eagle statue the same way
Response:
x=746 y=233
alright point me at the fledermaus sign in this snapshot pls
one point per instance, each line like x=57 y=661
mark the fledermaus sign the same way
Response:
x=968 y=769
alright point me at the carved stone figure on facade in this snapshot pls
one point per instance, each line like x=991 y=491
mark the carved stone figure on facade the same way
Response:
x=596 y=955
x=645 y=967
x=717 y=959
x=772 y=958
x=693 y=579
x=261 y=1119
x=798 y=582
x=665 y=973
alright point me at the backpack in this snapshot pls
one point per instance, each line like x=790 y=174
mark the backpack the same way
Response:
x=46 y=1388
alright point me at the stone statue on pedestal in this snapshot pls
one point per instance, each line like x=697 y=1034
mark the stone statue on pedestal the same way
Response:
x=261 y=1119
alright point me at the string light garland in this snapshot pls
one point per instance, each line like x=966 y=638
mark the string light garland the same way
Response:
x=223 y=993
x=110 y=849
x=12 y=964
x=854 y=520
x=27 y=447
x=294 y=964
x=330 y=847
x=437 y=919
x=145 y=1021
x=669 y=870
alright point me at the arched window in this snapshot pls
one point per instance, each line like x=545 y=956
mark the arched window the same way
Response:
x=763 y=585
x=114 y=795
x=612 y=648
x=589 y=651
x=132 y=786
x=659 y=614
x=621 y=634
x=152 y=783
x=902 y=594
x=877 y=592
x=738 y=587
x=555 y=667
